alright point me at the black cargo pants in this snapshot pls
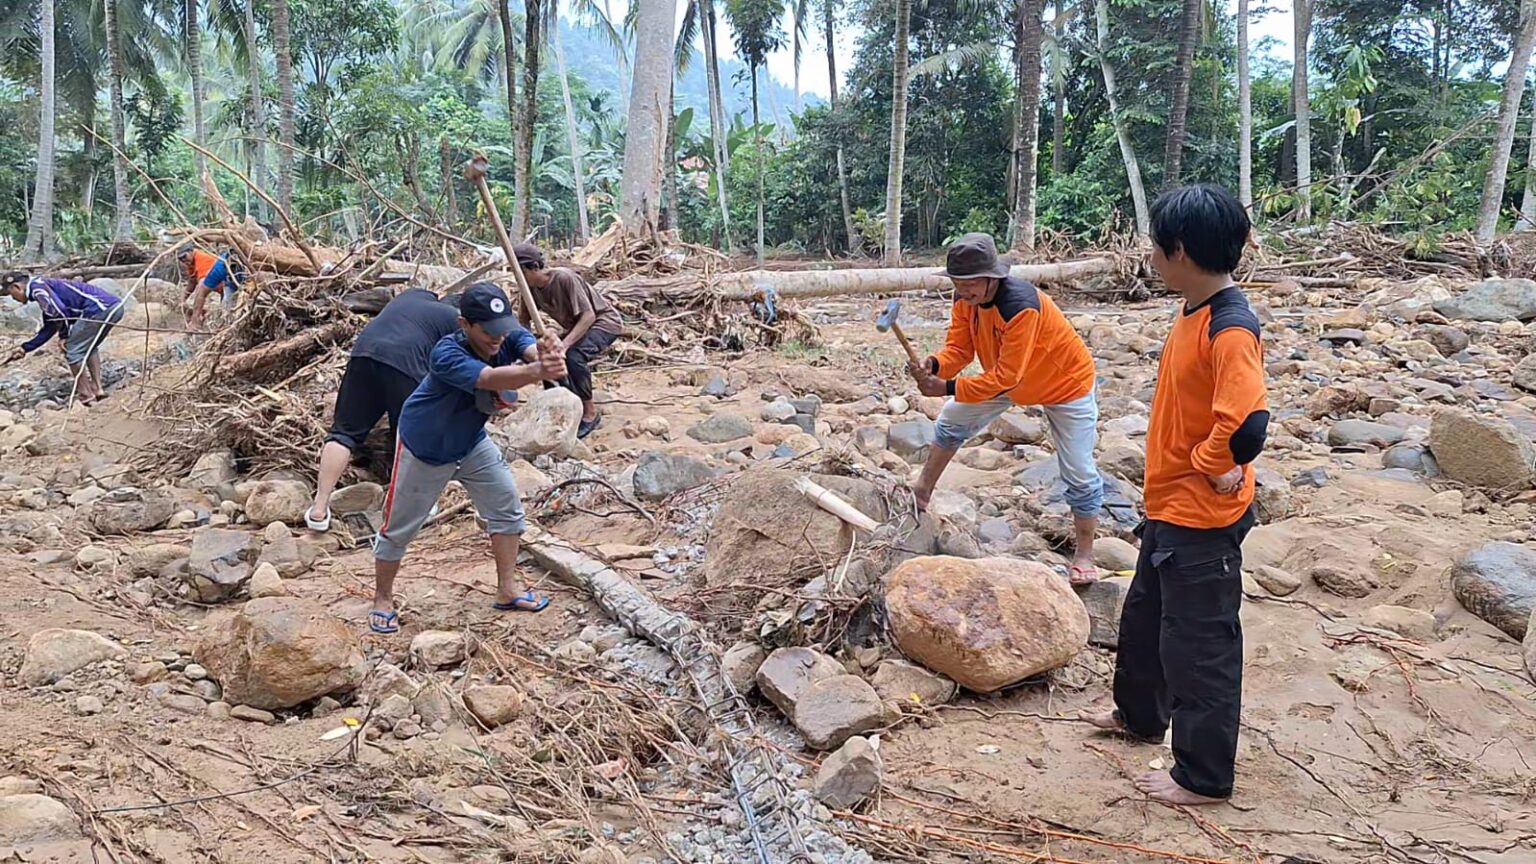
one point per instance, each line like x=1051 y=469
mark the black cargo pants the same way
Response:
x=1181 y=648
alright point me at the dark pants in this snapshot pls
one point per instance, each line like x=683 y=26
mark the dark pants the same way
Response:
x=369 y=390
x=1181 y=648
x=578 y=361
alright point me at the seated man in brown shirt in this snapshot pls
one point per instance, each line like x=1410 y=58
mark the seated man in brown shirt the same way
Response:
x=589 y=321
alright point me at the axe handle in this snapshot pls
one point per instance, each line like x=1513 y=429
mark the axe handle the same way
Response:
x=902 y=337
x=535 y=320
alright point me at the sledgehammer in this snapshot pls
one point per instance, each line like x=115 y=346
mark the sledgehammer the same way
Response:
x=886 y=321
x=475 y=172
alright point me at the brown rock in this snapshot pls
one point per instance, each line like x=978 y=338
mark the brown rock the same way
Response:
x=1481 y=451
x=277 y=652
x=1345 y=582
x=768 y=533
x=278 y=501
x=910 y=685
x=150 y=560
x=986 y=623
x=1017 y=428
x=740 y=664
x=1530 y=647
x=1410 y=623
x=1336 y=400
x=789 y=672
x=1276 y=581
x=27 y=819
x=54 y=653
x=266 y=583
x=494 y=704
x=849 y=776
x=835 y=709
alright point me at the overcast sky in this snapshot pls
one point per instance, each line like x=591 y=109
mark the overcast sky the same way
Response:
x=1274 y=21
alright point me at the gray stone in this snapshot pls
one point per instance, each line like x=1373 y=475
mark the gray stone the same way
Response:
x=957 y=542
x=407 y=728
x=208 y=690
x=717 y=386
x=433 y=705
x=995 y=531
x=1043 y=480
x=392 y=709
x=740 y=663
x=662 y=475
x=910 y=440
x=185 y=703
x=777 y=411
x=252 y=715
x=910 y=685
x=1312 y=478
x=1357 y=433
x=219 y=711
x=1497 y=583
x=360 y=498
x=494 y=704
x=869 y=440
x=1493 y=300
x=1447 y=340
x=1410 y=623
x=220 y=563
x=805 y=422
x=1104 y=601
x=278 y=501
x=434 y=649
x=810 y=404
x=1124 y=459
x=1275 y=580
x=1481 y=451
x=1524 y=374
x=834 y=709
x=1114 y=554
x=1129 y=426
x=1014 y=427
x=849 y=776
x=1353 y=584
x=1410 y=457
x=789 y=672
x=1271 y=496
x=150 y=560
x=1344 y=336
x=27 y=819
x=211 y=470
x=53 y=653
x=88 y=705
x=723 y=427
x=131 y=511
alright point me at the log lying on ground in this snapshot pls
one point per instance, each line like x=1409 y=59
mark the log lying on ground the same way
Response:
x=834 y=283
x=305 y=343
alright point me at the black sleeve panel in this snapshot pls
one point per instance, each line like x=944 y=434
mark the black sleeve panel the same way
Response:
x=1248 y=440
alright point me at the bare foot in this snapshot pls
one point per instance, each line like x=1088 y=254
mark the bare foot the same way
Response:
x=922 y=495
x=1083 y=572
x=1161 y=787
x=1108 y=719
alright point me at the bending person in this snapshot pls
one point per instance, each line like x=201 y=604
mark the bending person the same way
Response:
x=79 y=313
x=590 y=322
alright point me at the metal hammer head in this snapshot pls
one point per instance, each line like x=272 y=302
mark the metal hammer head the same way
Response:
x=888 y=316
x=476 y=168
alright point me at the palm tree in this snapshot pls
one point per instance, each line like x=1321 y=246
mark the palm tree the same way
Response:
x=650 y=87
x=194 y=41
x=756 y=23
x=1302 y=15
x=258 y=109
x=1184 y=70
x=1122 y=133
x=285 y=106
x=39 y=240
x=578 y=171
x=1244 y=111
x=522 y=142
x=710 y=27
x=122 y=230
x=1030 y=31
x=1509 y=112
x=892 y=254
x=829 y=8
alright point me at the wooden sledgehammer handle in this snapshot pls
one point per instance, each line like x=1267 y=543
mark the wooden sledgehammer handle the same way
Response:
x=902 y=337
x=475 y=173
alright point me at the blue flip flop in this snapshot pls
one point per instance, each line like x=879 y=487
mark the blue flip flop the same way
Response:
x=383 y=622
x=524 y=602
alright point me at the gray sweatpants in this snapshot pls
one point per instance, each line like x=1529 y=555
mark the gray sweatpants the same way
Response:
x=415 y=486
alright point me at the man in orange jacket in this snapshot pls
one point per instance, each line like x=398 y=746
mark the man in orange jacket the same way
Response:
x=1180 y=659
x=1030 y=355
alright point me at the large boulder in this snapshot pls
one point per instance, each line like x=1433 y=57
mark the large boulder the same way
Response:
x=278 y=652
x=220 y=563
x=789 y=672
x=662 y=475
x=277 y=501
x=835 y=709
x=546 y=424
x=724 y=427
x=129 y=510
x=768 y=534
x=1493 y=300
x=986 y=623
x=1497 y=583
x=29 y=818
x=1481 y=451
x=54 y=653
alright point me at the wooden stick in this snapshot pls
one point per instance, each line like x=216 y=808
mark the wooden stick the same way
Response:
x=831 y=502
x=475 y=173
x=293 y=230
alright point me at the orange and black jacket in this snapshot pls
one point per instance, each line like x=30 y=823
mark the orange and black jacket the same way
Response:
x=1028 y=350
x=1209 y=414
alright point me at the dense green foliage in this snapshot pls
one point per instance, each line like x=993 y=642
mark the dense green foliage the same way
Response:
x=394 y=94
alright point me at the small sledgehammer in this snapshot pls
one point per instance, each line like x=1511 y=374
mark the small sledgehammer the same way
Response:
x=887 y=321
x=475 y=172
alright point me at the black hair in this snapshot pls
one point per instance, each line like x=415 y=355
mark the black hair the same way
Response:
x=1206 y=222
x=13 y=277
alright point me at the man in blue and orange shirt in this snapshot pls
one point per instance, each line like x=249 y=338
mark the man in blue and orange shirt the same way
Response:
x=205 y=273
x=1030 y=355
x=1180 y=658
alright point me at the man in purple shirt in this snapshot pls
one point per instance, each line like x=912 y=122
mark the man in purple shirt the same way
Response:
x=80 y=314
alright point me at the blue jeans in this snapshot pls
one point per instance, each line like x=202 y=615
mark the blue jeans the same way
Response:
x=1074 y=427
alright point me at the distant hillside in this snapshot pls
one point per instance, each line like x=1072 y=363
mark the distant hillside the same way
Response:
x=591 y=57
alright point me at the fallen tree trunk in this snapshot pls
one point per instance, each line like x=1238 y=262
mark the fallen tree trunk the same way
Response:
x=833 y=283
x=303 y=344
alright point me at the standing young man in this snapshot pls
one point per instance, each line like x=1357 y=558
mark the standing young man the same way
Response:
x=79 y=313
x=388 y=360
x=205 y=273
x=590 y=323
x=1181 y=644
x=472 y=375
x=1030 y=355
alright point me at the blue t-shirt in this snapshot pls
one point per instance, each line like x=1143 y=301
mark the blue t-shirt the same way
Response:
x=445 y=419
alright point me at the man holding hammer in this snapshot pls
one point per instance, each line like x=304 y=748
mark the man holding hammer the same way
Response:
x=1029 y=355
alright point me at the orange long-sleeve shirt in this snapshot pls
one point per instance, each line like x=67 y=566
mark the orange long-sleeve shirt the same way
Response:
x=1209 y=414
x=1027 y=349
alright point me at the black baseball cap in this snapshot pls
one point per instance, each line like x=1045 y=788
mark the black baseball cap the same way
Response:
x=484 y=303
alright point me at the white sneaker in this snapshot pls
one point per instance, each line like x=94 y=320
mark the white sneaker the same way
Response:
x=321 y=525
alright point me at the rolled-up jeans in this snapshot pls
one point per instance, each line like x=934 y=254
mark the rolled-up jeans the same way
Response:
x=1074 y=428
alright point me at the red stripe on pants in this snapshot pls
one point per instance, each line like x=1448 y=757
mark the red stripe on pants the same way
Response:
x=389 y=495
